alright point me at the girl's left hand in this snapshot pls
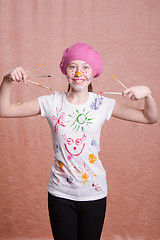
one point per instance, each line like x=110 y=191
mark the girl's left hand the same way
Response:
x=136 y=93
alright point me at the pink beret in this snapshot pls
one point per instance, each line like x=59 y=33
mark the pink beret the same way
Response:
x=82 y=51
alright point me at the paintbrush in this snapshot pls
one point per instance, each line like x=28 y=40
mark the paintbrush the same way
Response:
x=120 y=82
x=39 y=75
x=118 y=93
x=37 y=84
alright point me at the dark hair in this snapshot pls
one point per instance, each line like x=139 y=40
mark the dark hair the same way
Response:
x=90 y=88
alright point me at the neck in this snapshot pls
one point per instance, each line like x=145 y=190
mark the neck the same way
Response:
x=77 y=97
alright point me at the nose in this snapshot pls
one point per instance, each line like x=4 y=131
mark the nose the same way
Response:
x=78 y=73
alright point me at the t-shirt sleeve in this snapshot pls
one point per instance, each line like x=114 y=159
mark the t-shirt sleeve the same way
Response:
x=109 y=104
x=46 y=102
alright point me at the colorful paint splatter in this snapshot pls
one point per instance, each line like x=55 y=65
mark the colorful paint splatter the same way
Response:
x=69 y=179
x=85 y=177
x=60 y=165
x=57 y=148
x=97 y=102
x=96 y=187
x=93 y=143
x=92 y=158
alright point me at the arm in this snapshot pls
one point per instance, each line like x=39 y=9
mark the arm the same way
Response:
x=147 y=115
x=23 y=109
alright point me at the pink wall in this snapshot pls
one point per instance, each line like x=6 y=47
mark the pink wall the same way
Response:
x=127 y=34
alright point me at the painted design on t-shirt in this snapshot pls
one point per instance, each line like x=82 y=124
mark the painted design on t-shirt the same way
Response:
x=84 y=172
x=78 y=120
x=97 y=102
x=92 y=158
x=85 y=177
x=57 y=148
x=69 y=179
x=60 y=165
x=74 y=146
x=87 y=174
x=93 y=142
x=59 y=119
x=96 y=187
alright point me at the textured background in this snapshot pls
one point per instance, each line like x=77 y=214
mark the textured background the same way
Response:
x=127 y=34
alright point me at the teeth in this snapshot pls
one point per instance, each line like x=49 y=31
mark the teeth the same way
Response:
x=79 y=80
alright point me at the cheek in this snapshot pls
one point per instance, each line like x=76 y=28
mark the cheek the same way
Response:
x=88 y=75
x=88 y=72
x=82 y=71
x=73 y=73
x=70 y=72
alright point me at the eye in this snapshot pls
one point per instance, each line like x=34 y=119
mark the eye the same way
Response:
x=86 y=67
x=69 y=141
x=78 y=141
x=72 y=67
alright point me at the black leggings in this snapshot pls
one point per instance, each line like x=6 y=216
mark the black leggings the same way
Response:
x=76 y=220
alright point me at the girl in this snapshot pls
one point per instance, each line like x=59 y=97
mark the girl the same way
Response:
x=77 y=188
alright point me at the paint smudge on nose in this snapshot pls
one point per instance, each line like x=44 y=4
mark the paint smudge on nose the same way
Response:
x=78 y=73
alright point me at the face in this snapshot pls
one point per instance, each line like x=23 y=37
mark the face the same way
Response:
x=79 y=75
x=74 y=146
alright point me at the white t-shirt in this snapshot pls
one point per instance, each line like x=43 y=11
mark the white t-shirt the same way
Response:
x=77 y=172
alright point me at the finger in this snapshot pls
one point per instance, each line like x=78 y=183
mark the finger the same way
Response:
x=16 y=76
x=19 y=73
x=133 y=98
x=129 y=95
x=127 y=91
x=23 y=74
x=12 y=77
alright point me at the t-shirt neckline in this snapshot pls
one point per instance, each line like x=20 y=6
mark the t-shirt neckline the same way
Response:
x=76 y=105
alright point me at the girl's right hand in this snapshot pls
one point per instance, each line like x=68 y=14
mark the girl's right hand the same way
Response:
x=18 y=75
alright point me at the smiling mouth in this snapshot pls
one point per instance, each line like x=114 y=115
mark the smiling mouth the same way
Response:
x=73 y=153
x=78 y=81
